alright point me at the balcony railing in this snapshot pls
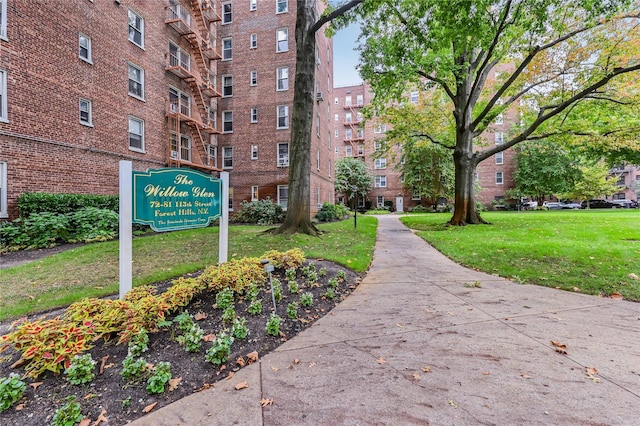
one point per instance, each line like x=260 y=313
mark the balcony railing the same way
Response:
x=179 y=18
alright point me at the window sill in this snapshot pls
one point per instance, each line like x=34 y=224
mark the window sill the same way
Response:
x=86 y=124
x=141 y=151
x=88 y=61
x=137 y=97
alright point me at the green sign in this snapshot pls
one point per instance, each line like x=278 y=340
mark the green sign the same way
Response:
x=171 y=199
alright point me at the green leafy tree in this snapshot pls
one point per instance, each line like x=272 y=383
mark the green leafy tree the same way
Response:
x=543 y=58
x=544 y=168
x=596 y=181
x=352 y=178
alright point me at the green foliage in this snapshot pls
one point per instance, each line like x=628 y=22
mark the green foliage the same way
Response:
x=290 y=274
x=419 y=209
x=221 y=349
x=330 y=212
x=341 y=275
x=237 y=274
x=41 y=230
x=306 y=299
x=285 y=259
x=252 y=293
x=92 y=224
x=191 y=338
x=352 y=177
x=332 y=283
x=595 y=182
x=239 y=329
x=69 y=414
x=159 y=379
x=261 y=212
x=255 y=307
x=273 y=325
x=133 y=368
x=277 y=289
x=81 y=369
x=330 y=293
x=312 y=277
x=39 y=202
x=427 y=168
x=292 y=310
x=11 y=390
x=224 y=298
x=293 y=287
x=229 y=314
x=139 y=343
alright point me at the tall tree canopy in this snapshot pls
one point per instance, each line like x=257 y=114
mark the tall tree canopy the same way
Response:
x=545 y=59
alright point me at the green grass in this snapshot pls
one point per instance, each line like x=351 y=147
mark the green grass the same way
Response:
x=591 y=252
x=92 y=270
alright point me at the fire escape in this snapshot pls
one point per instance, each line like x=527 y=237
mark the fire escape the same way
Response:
x=192 y=22
x=354 y=134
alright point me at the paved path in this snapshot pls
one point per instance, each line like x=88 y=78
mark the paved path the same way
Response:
x=414 y=345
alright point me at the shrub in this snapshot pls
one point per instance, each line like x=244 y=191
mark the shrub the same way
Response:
x=237 y=274
x=419 y=209
x=224 y=298
x=292 y=310
x=139 y=343
x=290 y=259
x=133 y=368
x=81 y=369
x=239 y=329
x=159 y=379
x=229 y=314
x=293 y=287
x=219 y=352
x=306 y=299
x=45 y=229
x=92 y=224
x=273 y=325
x=11 y=390
x=261 y=212
x=330 y=212
x=39 y=202
x=192 y=338
x=69 y=414
x=255 y=307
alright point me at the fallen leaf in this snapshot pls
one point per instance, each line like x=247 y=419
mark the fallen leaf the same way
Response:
x=485 y=373
x=209 y=337
x=230 y=375
x=275 y=369
x=35 y=385
x=560 y=347
x=19 y=407
x=200 y=316
x=634 y=276
x=85 y=422
x=525 y=376
x=399 y=325
x=241 y=362
x=312 y=364
x=296 y=361
x=149 y=407
x=203 y=387
x=616 y=295
x=591 y=374
x=266 y=402
x=18 y=363
x=242 y=385
x=103 y=363
x=252 y=357
x=89 y=396
x=451 y=403
x=591 y=370
x=416 y=376
x=381 y=360
x=101 y=418
x=577 y=289
x=426 y=369
x=173 y=383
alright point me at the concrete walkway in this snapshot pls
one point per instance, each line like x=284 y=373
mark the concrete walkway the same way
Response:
x=418 y=344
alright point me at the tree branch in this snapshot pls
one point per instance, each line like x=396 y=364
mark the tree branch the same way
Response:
x=439 y=81
x=333 y=15
x=432 y=140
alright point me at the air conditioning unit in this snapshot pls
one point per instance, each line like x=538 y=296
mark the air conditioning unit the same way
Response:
x=173 y=107
x=174 y=155
x=319 y=97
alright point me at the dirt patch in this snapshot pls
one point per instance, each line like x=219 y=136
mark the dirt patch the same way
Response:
x=15 y=258
x=124 y=401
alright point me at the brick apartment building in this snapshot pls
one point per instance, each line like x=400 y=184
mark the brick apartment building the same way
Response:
x=180 y=83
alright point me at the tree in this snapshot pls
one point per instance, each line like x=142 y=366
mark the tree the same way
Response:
x=544 y=168
x=298 y=217
x=541 y=57
x=352 y=178
x=594 y=182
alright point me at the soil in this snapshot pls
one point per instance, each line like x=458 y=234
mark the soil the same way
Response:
x=120 y=401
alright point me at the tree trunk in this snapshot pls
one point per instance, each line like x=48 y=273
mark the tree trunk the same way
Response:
x=298 y=216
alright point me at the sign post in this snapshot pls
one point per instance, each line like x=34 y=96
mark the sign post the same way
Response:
x=125 y=228
x=223 y=237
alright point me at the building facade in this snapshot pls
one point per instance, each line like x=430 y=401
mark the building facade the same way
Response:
x=180 y=83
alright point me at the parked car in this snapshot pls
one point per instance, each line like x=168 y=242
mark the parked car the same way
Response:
x=571 y=206
x=626 y=204
x=552 y=205
x=600 y=204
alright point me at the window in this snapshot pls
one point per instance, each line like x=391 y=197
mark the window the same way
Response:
x=253 y=5
x=381 y=182
x=499 y=138
x=254 y=78
x=179 y=102
x=359 y=117
x=283 y=117
x=254 y=193
x=282 y=40
x=136 y=82
x=336 y=117
x=380 y=163
x=227 y=49
x=318 y=160
x=499 y=118
x=254 y=152
x=179 y=57
x=212 y=152
x=136 y=29
x=227 y=157
x=414 y=98
x=360 y=99
x=318 y=125
x=330 y=168
x=347 y=101
x=380 y=128
x=183 y=151
x=4 y=116
x=348 y=134
x=283 y=154
x=377 y=145
x=499 y=178
x=4 y=210
x=227 y=121
x=227 y=86
x=348 y=118
x=348 y=151
x=230 y=199
x=283 y=195
x=337 y=134
x=85 y=112
x=336 y=101
x=3 y=19
x=499 y=158
x=379 y=201
x=360 y=149
x=415 y=197
x=283 y=79
x=254 y=115
x=282 y=6
x=136 y=134
x=84 y=47
x=227 y=13
x=253 y=41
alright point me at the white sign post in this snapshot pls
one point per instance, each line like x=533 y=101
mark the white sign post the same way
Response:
x=126 y=228
x=223 y=237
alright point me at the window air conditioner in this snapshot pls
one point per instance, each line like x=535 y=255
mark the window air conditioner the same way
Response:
x=319 y=97
x=174 y=155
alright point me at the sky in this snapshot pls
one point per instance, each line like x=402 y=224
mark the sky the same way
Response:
x=345 y=58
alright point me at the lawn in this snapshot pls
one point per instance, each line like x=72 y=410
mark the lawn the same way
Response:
x=592 y=252
x=92 y=270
